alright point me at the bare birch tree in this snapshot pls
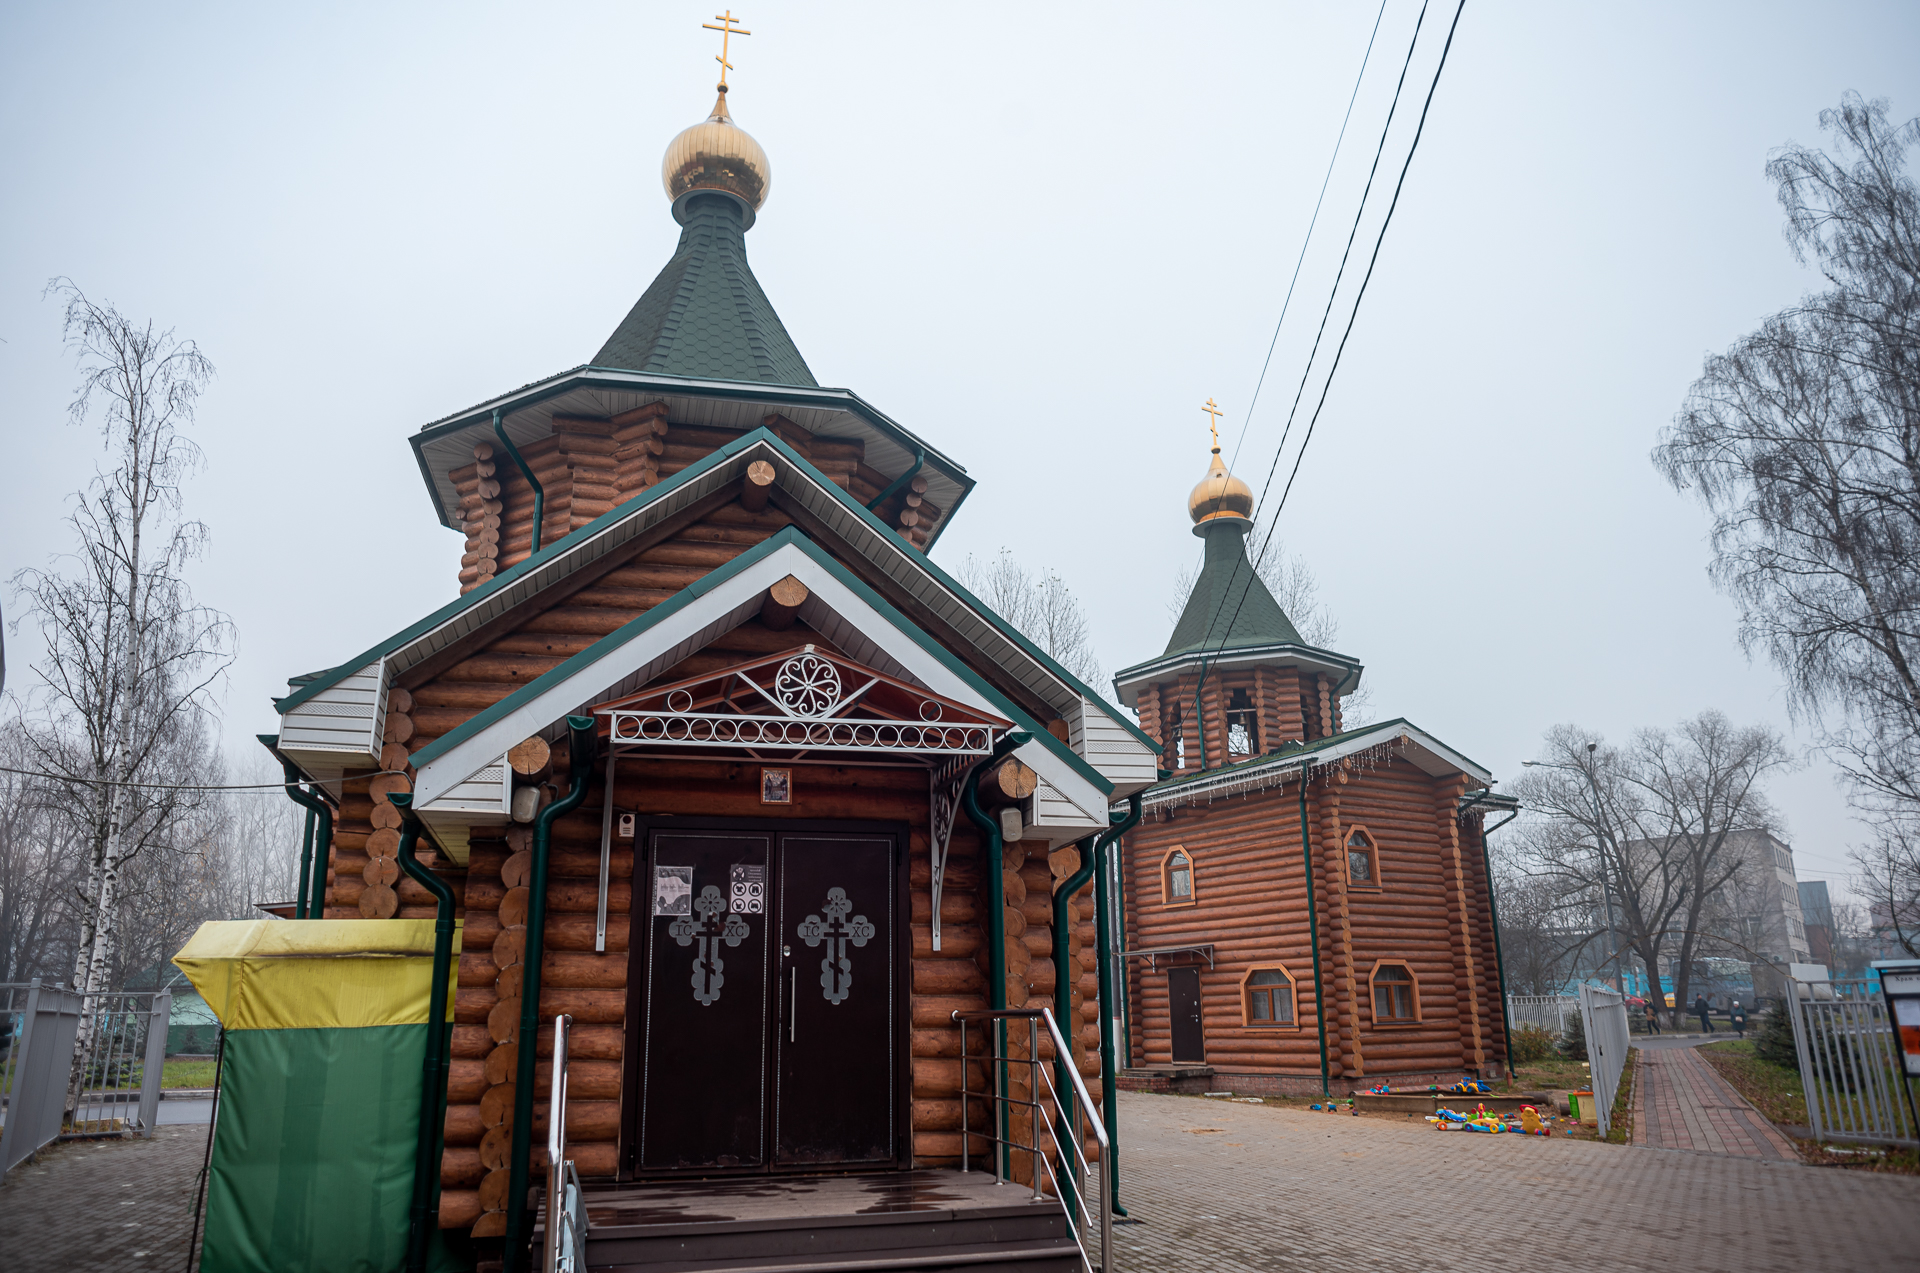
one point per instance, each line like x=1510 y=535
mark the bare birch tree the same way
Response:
x=1648 y=836
x=129 y=655
x=1040 y=605
x=1803 y=441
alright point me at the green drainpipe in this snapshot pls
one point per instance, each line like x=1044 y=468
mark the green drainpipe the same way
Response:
x=580 y=761
x=1063 y=980
x=919 y=458
x=1093 y=859
x=1109 y=1002
x=539 y=492
x=1313 y=932
x=996 y=923
x=423 y=1214
x=317 y=813
x=1499 y=960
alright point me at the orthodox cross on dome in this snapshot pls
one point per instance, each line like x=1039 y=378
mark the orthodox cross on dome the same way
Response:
x=727 y=30
x=1214 y=422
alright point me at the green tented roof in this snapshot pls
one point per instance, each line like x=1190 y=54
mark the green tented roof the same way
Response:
x=1229 y=608
x=705 y=314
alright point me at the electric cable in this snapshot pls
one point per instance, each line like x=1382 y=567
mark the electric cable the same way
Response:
x=1320 y=333
x=1305 y=243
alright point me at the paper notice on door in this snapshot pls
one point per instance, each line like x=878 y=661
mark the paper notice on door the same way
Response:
x=749 y=889
x=673 y=890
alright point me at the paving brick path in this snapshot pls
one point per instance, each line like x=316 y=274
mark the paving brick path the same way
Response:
x=110 y=1205
x=1223 y=1188
x=1680 y=1102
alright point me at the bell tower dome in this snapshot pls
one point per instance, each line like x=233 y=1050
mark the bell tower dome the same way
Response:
x=1236 y=680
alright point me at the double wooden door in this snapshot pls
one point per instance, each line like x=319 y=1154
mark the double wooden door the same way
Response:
x=769 y=1000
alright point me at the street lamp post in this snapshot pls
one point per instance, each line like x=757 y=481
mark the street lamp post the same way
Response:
x=1602 y=837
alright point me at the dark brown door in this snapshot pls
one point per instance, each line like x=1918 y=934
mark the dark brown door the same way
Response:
x=1183 y=998
x=835 y=1042
x=704 y=1032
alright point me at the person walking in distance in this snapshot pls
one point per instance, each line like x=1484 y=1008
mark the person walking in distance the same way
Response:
x=1700 y=1007
x=1737 y=1015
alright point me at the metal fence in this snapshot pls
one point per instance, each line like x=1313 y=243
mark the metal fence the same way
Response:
x=1603 y=1013
x=73 y=1065
x=1850 y=1063
x=1549 y=1012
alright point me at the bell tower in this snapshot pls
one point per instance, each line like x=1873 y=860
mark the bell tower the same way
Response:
x=1236 y=680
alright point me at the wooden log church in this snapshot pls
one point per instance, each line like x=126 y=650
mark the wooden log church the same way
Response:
x=1307 y=905
x=804 y=797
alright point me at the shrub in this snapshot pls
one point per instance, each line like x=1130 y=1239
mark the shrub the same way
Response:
x=1531 y=1043
x=1573 y=1044
x=1774 y=1042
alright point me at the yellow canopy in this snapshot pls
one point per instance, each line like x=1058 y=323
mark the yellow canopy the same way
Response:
x=271 y=974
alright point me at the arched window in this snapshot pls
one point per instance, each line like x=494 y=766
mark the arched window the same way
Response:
x=1266 y=997
x=1363 y=859
x=1396 y=996
x=1176 y=878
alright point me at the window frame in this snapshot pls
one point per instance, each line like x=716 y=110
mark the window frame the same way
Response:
x=1412 y=983
x=1247 y=990
x=1167 y=900
x=1374 y=885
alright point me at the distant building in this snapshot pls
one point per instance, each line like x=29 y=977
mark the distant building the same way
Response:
x=1772 y=927
x=1816 y=912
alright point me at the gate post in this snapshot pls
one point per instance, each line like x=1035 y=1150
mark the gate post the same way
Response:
x=158 y=1019
x=37 y=1101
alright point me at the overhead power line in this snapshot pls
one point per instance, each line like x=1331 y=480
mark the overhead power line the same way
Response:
x=1359 y=296
x=1306 y=242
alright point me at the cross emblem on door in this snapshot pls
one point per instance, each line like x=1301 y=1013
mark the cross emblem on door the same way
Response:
x=836 y=970
x=707 y=964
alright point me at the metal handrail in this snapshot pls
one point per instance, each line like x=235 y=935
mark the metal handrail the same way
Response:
x=1071 y=1150
x=560 y=1235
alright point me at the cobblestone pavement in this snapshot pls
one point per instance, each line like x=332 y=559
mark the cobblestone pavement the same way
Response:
x=1227 y=1187
x=1681 y=1103
x=110 y=1205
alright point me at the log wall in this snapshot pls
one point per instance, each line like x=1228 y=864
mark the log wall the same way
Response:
x=1251 y=904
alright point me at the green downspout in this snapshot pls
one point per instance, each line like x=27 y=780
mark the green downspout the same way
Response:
x=1063 y=1006
x=580 y=761
x=539 y=492
x=893 y=488
x=312 y=883
x=1109 y=1003
x=306 y=858
x=1499 y=959
x=996 y=923
x=1313 y=932
x=422 y=1215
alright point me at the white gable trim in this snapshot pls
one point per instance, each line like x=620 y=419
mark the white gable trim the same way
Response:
x=705 y=617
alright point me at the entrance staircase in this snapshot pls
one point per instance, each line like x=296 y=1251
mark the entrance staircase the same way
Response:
x=921 y=1220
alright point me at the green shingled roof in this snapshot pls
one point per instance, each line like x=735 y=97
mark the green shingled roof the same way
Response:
x=705 y=314
x=1229 y=608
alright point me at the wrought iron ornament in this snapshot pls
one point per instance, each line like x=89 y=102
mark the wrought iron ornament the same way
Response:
x=707 y=964
x=836 y=970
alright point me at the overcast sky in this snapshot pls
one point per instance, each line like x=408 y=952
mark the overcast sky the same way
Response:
x=1040 y=236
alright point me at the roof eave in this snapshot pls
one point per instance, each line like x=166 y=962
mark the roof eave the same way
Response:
x=1284 y=766
x=481 y=416
x=1127 y=681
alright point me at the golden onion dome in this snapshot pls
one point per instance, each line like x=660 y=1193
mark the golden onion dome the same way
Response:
x=1219 y=495
x=717 y=154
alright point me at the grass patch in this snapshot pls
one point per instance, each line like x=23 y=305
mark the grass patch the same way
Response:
x=177 y=1073
x=1774 y=1090
x=1620 y=1120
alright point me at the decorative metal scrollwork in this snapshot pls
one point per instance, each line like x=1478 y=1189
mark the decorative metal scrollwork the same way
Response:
x=808 y=685
x=707 y=964
x=836 y=970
